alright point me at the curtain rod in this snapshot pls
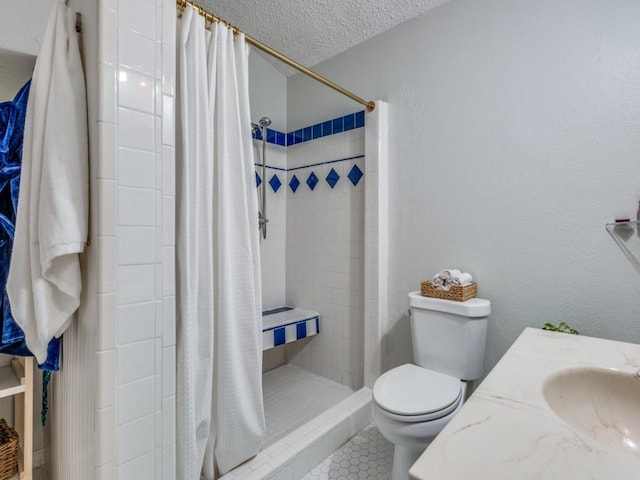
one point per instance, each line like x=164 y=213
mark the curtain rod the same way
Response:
x=209 y=17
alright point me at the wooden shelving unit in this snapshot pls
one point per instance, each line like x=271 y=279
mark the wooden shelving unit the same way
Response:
x=17 y=380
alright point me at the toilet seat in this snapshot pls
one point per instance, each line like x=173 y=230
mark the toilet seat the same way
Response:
x=409 y=393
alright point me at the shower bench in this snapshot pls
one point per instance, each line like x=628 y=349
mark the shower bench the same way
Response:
x=288 y=324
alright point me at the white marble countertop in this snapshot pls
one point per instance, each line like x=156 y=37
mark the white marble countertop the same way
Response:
x=506 y=430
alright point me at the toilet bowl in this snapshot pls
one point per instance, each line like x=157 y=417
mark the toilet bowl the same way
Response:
x=413 y=403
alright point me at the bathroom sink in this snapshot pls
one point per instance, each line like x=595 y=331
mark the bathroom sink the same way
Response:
x=603 y=404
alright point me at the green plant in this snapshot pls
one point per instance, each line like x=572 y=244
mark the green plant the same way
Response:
x=561 y=327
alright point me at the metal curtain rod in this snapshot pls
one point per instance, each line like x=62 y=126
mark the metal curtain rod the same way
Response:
x=209 y=17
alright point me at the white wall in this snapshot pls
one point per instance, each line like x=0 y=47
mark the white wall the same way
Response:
x=513 y=139
x=22 y=25
x=267 y=92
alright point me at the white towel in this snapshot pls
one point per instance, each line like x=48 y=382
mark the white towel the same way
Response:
x=44 y=280
x=448 y=274
x=463 y=279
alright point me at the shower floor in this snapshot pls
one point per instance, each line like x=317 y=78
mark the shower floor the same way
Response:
x=293 y=396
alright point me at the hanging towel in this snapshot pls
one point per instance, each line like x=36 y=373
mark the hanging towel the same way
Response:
x=44 y=281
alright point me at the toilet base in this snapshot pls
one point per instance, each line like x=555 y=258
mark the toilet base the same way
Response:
x=403 y=458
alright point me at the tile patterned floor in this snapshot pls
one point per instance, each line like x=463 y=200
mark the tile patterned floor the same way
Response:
x=368 y=455
x=293 y=396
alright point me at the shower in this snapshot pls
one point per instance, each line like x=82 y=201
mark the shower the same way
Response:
x=264 y=122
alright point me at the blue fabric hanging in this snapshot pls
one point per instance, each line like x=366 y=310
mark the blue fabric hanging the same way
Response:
x=12 y=121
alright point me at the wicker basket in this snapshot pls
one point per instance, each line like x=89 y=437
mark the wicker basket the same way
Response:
x=460 y=293
x=9 y=446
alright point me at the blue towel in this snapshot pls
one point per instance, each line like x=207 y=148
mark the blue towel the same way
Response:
x=12 y=121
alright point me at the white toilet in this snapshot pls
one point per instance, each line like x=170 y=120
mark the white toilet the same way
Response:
x=413 y=403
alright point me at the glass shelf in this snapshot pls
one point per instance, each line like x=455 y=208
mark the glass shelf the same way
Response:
x=623 y=231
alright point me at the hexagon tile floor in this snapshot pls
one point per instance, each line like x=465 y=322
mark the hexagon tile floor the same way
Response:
x=368 y=455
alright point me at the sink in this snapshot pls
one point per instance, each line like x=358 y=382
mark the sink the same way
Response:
x=603 y=404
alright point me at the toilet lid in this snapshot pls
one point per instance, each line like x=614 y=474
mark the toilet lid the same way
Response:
x=412 y=390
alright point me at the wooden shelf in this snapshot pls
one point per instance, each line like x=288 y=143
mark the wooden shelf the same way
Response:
x=16 y=380
x=9 y=383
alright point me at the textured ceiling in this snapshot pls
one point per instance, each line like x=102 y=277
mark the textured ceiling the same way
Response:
x=310 y=31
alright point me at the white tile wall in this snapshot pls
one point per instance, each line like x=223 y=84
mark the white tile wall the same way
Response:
x=273 y=248
x=325 y=256
x=136 y=358
x=376 y=241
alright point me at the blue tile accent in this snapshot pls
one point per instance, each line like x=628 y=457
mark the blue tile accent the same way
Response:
x=281 y=139
x=317 y=131
x=294 y=184
x=301 y=330
x=278 y=337
x=326 y=128
x=271 y=136
x=332 y=178
x=349 y=122
x=306 y=134
x=275 y=183
x=317 y=324
x=257 y=134
x=297 y=136
x=290 y=138
x=338 y=125
x=355 y=175
x=359 y=119
x=312 y=181
x=258 y=180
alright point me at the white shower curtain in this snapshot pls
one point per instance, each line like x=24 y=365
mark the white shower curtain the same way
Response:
x=220 y=414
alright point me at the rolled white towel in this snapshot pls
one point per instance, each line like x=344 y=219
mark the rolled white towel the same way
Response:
x=448 y=274
x=437 y=281
x=461 y=279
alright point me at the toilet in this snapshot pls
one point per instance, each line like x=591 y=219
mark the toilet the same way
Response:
x=412 y=403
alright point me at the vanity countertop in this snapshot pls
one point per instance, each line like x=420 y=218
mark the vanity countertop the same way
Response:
x=506 y=430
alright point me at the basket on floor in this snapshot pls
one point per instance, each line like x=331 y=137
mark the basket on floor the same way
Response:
x=460 y=293
x=9 y=446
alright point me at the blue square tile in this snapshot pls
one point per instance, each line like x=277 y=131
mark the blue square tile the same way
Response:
x=290 y=138
x=280 y=139
x=349 y=122
x=271 y=136
x=332 y=178
x=258 y=180
x=275 y=183
x=326 y=128
x=355 y=175
x=306 y=134
x=257 y=134
x=360 y=119
x=312 y=181
x=317 y=324
x=317 y=131
x=301 y=330
x=338 y=125
x=278 y=336
x=298 y=136
x=294 y=183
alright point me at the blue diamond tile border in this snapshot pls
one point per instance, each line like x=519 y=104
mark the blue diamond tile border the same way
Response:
x=258 y=180
x=275 y=183
x=312 y=181
x=332 y=178
x=355 y=175
x=294 y=184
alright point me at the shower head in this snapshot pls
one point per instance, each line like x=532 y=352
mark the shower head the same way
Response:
x=265 y=122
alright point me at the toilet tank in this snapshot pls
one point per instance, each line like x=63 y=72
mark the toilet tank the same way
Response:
x=449 y=337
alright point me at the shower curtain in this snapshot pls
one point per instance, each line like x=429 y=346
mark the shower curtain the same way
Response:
x=220 y=414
